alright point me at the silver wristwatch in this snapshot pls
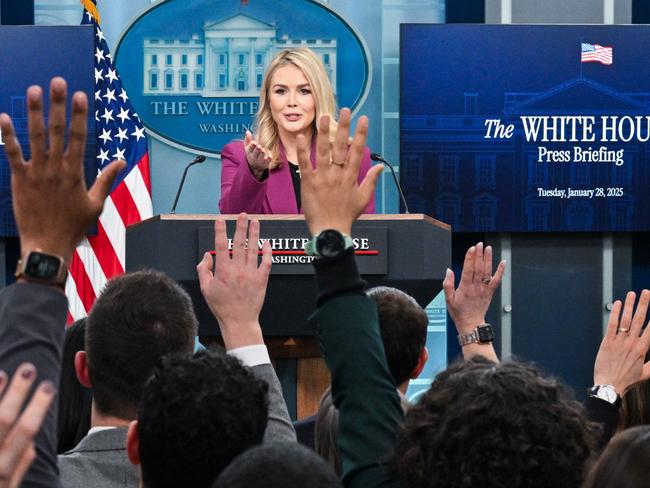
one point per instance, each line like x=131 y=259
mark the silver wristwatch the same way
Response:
x=483 y=334
x=605 y=392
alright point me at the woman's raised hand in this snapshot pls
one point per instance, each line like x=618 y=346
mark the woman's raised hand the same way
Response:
x=258 y=157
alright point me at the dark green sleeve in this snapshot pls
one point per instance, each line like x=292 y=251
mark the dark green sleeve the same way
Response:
x=362 y=386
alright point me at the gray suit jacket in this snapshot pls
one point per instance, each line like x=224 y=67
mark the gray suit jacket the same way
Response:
x=99 y=460
x=279 y=427
x=32 y=327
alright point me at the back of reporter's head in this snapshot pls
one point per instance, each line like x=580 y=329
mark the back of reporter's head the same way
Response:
x=326 y=432
x=278 y=465
x=625 y=462
x=138 y=318
x=403 y=324
x=500 y=425
x=196 y=415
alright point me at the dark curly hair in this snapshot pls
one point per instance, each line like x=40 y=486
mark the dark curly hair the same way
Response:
x=497 y=425
x=625 y=461
x=197 y=414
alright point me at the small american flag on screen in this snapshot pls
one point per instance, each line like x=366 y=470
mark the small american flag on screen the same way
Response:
x=596 y=53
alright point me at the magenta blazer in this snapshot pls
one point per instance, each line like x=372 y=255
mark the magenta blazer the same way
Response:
x=242 y=192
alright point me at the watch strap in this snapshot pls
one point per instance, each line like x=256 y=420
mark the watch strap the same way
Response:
x=465 y=339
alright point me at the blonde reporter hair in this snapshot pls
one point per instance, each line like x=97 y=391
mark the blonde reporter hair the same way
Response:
x=266 y=130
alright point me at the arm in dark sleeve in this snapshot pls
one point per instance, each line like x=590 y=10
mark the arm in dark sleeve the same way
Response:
x=32 y=328
x=606 y=415
x=362 y=386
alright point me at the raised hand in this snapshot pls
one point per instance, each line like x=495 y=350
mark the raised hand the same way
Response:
x=620 y=361
x=52 y=206
x=469 y=303
x=17 y=431
x=330 y=194
x=257 y=156
x=234 y=288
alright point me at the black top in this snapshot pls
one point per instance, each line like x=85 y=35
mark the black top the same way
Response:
x=295 y=178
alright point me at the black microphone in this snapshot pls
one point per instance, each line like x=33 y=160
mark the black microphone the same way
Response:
x=377 y=157
x=199 y=159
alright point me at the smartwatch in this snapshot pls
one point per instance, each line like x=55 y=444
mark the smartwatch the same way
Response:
x=329 y=243
x=483 y=334
x=40 y=267
x=605 y=392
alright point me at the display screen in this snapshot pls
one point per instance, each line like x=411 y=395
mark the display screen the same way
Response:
x=32 y=55
x=519 y=128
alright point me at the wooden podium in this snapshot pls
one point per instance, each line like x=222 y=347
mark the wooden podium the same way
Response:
x=410 y=252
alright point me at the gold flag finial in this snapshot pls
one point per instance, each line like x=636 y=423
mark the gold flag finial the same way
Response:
x=92 y=8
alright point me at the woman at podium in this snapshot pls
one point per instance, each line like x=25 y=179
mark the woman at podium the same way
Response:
x=260 y=174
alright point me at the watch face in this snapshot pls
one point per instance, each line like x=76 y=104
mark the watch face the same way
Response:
x=42 y=266
x=485 y=333
x=330 y=243
x=606 y=393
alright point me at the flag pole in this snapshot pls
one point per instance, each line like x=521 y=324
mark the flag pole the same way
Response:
x=581 y=58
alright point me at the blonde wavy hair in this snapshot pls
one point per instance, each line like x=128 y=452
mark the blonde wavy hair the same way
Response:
x=266 y=130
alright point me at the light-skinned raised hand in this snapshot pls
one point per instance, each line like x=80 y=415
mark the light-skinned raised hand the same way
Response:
x=234 y=287
x=331 y=196
x=620 y=361
x=469 y=303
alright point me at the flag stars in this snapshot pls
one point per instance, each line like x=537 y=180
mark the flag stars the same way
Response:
x=98 y=98
x=99 y=54
x=139 y=133
x=123 y=95
x=99 y=75
x=111 y=75
x=106 y=136
x=99 y=34
x=121 y=135
x=103 y=156
x=109 y=95
x=119 y=154
x=107 y=115
x=123 y=115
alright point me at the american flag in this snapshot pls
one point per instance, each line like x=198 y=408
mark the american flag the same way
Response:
x=596 y=53
x=120 y=135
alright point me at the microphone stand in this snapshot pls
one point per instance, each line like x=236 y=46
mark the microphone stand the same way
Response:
x=380 y=159
x=199 y=159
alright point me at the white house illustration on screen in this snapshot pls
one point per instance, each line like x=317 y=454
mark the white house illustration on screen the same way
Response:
x=228 y=60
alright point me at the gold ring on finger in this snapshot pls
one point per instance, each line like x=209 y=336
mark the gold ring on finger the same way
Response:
x=338 y=163
x=486 y=280
x=621 y=329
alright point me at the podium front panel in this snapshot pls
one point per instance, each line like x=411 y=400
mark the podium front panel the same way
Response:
x=410 y=252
